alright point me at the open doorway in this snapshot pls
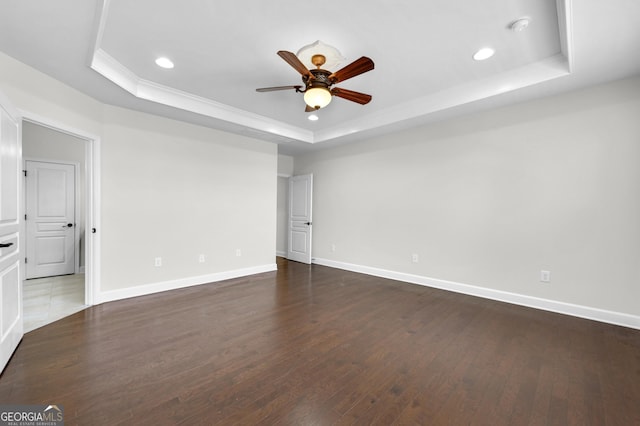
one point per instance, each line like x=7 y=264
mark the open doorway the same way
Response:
x=282 y=216
x=58 y=175
x=293 y=228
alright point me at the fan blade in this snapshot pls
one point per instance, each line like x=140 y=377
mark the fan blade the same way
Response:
x=350 y=95
x=355 y=68
x=271 y=89
x=293 y=60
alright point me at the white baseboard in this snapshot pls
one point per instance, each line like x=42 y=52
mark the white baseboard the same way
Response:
x=281 y=253
x=617 y=318
x=143 y=290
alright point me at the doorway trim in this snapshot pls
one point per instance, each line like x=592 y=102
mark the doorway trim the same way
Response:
x=92 y=200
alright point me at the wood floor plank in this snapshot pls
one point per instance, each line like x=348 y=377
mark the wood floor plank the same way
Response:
x=315 y=345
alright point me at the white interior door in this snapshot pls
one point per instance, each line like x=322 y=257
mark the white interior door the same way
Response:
x=300 y=218
x=11 y=328
x=50 y=224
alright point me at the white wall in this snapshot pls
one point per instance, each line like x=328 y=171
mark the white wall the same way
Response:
x=42 y=143
x=169 y=190
x=491 y=199
x=30 y=90
x=285 y=165
x=175 y=191
x=487 y=200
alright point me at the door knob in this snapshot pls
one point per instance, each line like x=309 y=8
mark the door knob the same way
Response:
x=68 y=225
x=308 y=223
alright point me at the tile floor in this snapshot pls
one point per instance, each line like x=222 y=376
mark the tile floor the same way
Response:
x=49 y=299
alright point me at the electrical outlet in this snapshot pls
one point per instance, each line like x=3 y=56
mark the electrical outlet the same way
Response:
x=201 y=258
x=238 y=252
x=545 y=276
x=414 y=258
x=158 y=261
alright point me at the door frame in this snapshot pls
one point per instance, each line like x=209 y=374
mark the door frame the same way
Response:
x=91 y=199
x=76 y=208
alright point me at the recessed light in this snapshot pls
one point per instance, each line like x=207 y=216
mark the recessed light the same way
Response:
x=313 y=117
x=164 y=62
x=484 y=53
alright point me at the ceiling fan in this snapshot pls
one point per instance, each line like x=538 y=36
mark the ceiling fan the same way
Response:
x=317 y=82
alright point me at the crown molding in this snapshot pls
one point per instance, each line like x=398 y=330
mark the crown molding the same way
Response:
x=550 y=68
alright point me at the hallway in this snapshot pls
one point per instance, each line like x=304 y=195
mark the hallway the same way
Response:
x=49 y=299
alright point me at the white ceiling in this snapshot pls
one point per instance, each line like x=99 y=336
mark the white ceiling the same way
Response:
x=223 y=51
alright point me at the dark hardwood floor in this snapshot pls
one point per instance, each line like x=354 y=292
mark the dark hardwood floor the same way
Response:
x=311 y=345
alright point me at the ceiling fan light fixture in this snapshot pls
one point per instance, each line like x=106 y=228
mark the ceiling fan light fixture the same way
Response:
x=317 y=82
x=317 y=97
